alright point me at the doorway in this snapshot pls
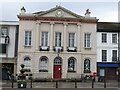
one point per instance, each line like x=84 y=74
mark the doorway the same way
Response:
x=57 y=72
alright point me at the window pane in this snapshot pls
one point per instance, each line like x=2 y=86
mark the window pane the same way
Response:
x=87 y=42
x=28 y=36
x=71 y=64
x=4 y=32
x=114 y=38
x=114 y=55
x=44 y=39
x=87 y=64
x=104 y=37
x=104 y=55
x=43 y=63
x=27 y=63
x=58 y=39
x=3 y=48
x=71 y=39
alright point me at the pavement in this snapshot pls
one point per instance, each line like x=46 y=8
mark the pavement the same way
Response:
x=110 y=84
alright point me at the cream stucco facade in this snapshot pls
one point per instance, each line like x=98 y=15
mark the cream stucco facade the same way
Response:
x=65 y=23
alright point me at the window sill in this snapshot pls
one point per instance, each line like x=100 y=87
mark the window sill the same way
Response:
x=28 y=46
x=71 y=71
x=87 y=47
x=87 y=71
x=43 y=70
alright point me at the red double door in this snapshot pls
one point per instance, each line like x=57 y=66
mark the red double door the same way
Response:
x=57 y=71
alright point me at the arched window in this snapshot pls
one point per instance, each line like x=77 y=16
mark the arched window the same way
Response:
x=87 y=66
x=27 y=63
x=43 y=64
x=71 y=64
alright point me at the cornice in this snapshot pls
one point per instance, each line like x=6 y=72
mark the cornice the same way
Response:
x=58 y=19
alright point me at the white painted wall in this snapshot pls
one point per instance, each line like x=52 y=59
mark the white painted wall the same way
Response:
x=11 y=25
x=109 y=46
x=11 y=46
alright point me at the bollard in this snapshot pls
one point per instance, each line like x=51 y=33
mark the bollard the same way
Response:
x=12 y=83
x=104 y=82
x=56 y=84
x=92 y=83
x=12 y=79
x=75 y=83
x=31 y=83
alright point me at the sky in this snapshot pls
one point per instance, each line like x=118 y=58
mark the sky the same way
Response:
x=104 y=10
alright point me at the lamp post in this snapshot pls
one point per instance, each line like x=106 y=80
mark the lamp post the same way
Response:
x=58 y=52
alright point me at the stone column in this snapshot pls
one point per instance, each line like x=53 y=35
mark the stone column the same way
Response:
x=78 y=37
x=65 y=37
x=51 y=36
x=37 y=36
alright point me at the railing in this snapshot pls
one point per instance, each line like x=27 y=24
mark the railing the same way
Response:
x=64 y=83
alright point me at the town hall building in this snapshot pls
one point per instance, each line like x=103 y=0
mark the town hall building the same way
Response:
x=57 y=43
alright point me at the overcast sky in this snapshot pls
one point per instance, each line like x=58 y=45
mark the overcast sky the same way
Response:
x=105 y=11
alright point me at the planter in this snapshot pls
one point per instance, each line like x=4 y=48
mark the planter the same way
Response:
x=22 y=84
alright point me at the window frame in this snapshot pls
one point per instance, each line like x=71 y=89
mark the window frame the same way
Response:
x=4 y=35
x=71 y=40
x=114 y=39
x=28 y=62
x=44 y=39
x=88 y=69
x=104 y=38
x=43 y=62
x=87 y=40
x=114 y=55
x=104 y=55
x=28 y=38
x=58 y=38
x=73 y=61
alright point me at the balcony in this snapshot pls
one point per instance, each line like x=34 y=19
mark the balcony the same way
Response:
x=44 y=48
x=72 y=49
x=114 y=59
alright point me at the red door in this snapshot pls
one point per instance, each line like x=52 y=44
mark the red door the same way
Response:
x=57 y=71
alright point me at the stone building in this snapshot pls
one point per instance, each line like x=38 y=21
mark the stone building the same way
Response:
x=57 y=43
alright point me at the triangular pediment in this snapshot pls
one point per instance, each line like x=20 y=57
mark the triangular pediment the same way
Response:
x=58 y=11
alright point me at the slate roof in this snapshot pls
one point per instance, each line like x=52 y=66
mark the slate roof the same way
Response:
x=108 y=27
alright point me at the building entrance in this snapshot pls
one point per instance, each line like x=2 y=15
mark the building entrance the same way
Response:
x=57 y=72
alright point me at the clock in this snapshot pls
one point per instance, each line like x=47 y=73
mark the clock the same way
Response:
x=59 y=13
